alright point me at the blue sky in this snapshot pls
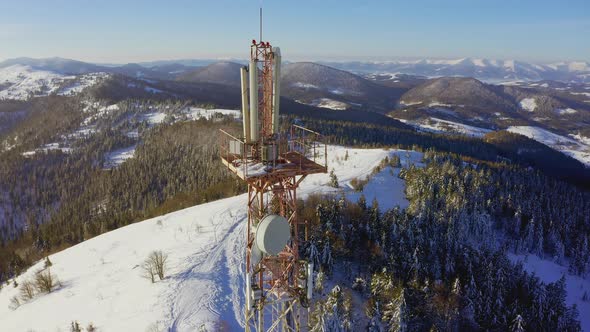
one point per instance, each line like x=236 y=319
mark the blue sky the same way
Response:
x=133 y=31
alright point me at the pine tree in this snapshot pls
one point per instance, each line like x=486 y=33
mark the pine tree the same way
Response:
x=327 y=261
x=47 y=262
x=318 y=285
x=375 y=324
x=559 y=251
x=396 y=313
x=333 y=179
x=517 y=324
x=314 y=255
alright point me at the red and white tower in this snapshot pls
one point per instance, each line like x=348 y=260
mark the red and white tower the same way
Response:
x=273 y=160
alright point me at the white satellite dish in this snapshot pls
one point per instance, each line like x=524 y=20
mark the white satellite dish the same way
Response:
x=272 y=234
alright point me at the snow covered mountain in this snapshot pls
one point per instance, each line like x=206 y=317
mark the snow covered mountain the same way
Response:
x=101 y=279
x=20 y=82
x=482 y=69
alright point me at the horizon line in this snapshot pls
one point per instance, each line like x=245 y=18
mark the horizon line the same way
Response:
x=296 y=58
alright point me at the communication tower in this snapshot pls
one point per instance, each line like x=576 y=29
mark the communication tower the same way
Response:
x=273 y=160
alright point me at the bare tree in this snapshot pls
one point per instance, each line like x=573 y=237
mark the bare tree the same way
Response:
x=155 y=265
x=45 y=281
x=27 y=291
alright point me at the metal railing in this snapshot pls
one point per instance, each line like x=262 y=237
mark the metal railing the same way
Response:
x=310 y=144
x=307 y=144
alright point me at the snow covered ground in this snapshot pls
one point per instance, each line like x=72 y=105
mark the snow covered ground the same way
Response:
x=102 y=280
x=196 y=113
x=578 y=149
x=153 y=118
x=528 y=104
x=329 y=103
x=563 y=111
x=549 y=271
x=48 y=147
x=22 y=82
x=386 y=187
x=436 y=125
x=119 y=156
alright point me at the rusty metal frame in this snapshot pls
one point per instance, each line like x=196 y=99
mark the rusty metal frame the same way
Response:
x=301 y=152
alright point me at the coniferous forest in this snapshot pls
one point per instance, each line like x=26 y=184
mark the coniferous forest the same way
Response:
x=443 y=263
x=53 y=200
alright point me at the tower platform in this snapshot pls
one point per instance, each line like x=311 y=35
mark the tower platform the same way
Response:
x=298 y=155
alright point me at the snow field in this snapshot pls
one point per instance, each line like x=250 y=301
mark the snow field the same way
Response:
x=528 y=104
x=24 y=82
x=549 y=271
x=436 y=125
x=578 y=149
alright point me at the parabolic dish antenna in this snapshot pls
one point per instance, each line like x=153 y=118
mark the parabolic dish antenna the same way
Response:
x=272 y=234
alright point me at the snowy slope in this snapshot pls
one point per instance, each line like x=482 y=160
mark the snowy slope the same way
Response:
x=329 y=103
x=436 y=125
x=196 y=113
x=101 y=278
x=528 y=104
x=22 y=82
x=117 y=157
x=577 y=149
x=549 y=271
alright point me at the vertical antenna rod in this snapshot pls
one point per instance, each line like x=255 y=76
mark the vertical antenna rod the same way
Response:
x=260 y=23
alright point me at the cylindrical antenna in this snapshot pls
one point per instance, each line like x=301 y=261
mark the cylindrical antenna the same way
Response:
x=260 y=23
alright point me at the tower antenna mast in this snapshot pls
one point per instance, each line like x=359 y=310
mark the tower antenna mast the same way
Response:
x=272 y=160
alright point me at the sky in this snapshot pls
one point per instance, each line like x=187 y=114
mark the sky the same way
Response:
x=121 y=31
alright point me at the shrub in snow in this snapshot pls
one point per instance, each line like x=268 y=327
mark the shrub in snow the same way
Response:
x=75 y=327
x=155 y=265
x=359 y=185
x=45 y=282
x=27 y=291
x=90 y=328
x=14 y=303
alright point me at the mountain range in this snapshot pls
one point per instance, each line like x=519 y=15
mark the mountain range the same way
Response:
x=482 y=69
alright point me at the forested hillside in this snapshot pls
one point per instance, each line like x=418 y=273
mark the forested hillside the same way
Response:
x=442 y=263
x=66 y=198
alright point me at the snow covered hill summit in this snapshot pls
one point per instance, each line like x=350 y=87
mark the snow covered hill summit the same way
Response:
x=101 y=279
x=20 y=82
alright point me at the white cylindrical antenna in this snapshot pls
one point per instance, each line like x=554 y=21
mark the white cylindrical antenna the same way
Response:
x=245 y=105
x=248 y=290
x=309 y=280
x=276 y=93
x=253 y=100
x=260 y=22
